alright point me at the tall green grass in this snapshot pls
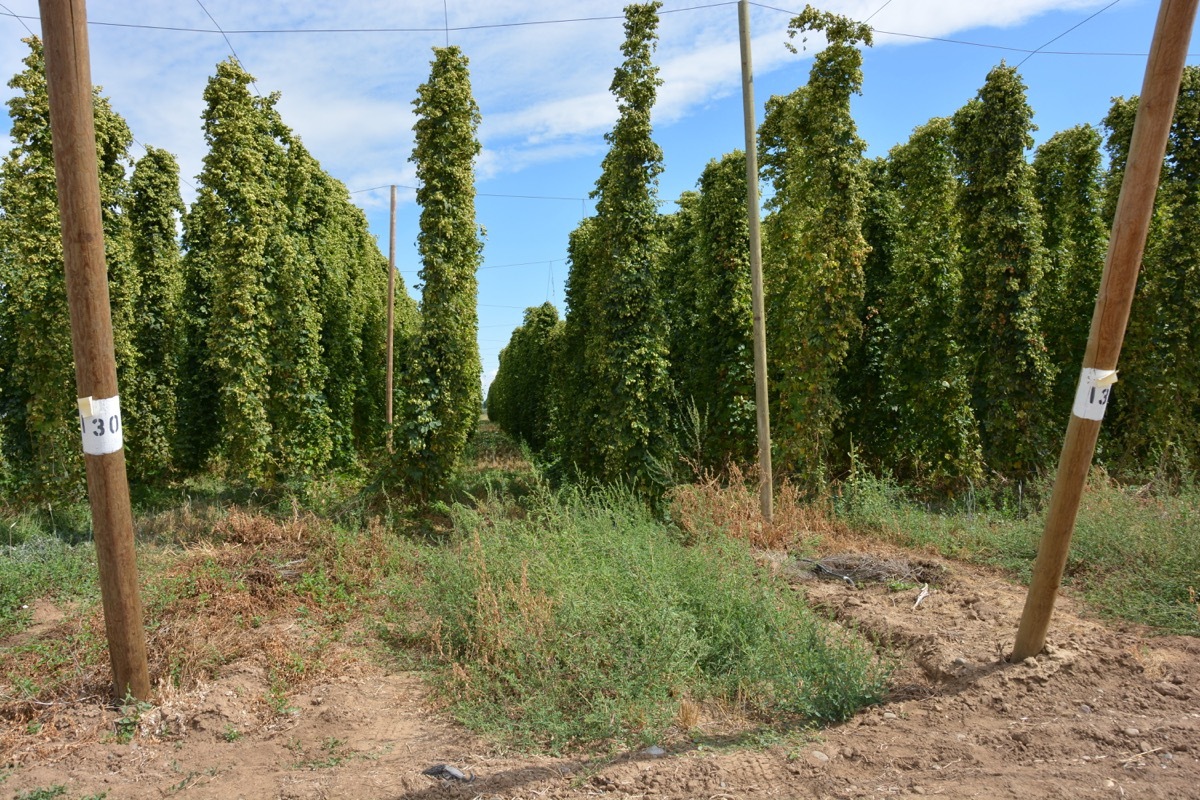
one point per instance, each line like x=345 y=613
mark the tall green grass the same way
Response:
x=1135 y=554
x=44 y=552
x=587 y=620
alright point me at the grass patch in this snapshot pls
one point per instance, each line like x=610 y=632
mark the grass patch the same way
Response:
x=219 y=583
x=586 y=620
x=48 y=793
x=42 y=565
x=493 y=465
x=1134 y=555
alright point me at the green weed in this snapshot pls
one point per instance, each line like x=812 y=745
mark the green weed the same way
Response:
x=132 y=710
x=277 y=698
x=586 y=620
x=334 y=754
x=42 y=794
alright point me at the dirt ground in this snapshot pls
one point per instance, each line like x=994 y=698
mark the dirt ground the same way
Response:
x=1107 y=711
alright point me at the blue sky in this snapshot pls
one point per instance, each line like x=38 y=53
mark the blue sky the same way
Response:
x=543 y=91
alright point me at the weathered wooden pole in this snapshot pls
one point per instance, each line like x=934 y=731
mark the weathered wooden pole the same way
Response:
x=69 y=83
x=765 y=480
x=1156 y=107
x=391 y=315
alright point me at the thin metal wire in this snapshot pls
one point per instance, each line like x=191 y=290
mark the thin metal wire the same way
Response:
x=881 y=8
x=18 y=19
x=1068 y=30
x=228 y=42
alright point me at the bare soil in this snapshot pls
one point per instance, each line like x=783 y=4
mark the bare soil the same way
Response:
x=1108 y=711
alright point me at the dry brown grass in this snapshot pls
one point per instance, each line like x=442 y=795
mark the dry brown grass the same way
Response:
x=191 y=521
x=688 y=716
x=731 y=504
x=236 y=591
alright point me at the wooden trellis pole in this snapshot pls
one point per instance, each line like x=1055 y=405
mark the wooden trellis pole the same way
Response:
x=765 y=480
x=1156 y=108
x=391 y=316
x=69 y=83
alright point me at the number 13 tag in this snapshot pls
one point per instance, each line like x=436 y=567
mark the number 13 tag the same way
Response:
x=1095 y=387
x=100 y=424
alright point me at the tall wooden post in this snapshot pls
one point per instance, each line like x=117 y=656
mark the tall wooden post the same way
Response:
x=391 y=315
x=1156 y=107
x=765 y=480
x=69 y=82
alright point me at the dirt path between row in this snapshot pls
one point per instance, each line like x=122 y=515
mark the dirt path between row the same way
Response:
x=1108 y=711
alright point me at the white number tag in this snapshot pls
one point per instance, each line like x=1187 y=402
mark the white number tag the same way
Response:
x=100 y=424
x=1091 y=398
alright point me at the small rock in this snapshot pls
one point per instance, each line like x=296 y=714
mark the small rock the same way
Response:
x=448 y=772
x=1030 y=662
x=888 y=715
x=654 y=751
x=958 y=662
x=1170 y=689
x=818 y=757
x=1145 y=746
x=1085 y=708
x=1110 y=784
x=1132 y=732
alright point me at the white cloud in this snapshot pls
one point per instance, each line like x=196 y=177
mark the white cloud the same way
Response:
x=543 y=88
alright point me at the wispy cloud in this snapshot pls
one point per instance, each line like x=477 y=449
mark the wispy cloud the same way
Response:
x=543 y=88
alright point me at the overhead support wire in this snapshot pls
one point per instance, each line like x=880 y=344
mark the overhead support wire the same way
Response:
x=1026 y=50
x=1068 y=30
x=876 y=11
x=21 y=20
x=581 y=200
x=442 y=29
x=227 y=42
x=18 y=19
x=529 y=23
x=523 y=264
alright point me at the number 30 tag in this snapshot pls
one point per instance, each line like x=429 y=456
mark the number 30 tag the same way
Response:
x=100 y=424
x=1095 y=387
